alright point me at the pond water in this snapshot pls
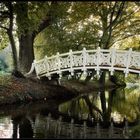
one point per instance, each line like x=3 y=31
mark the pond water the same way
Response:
x=113 y=113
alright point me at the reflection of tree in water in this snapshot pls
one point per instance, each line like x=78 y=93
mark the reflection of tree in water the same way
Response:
x=88 y=107
x=126 y=103
x=24 y=126
x=102 y=107
x=103 y=114
x=25 y=129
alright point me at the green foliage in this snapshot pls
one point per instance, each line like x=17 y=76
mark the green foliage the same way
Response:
x=132 y=78
x=125 y=102
x=32 y=13
x=3 y=39
x=64 y=33
x=133 y=42
x=83 y=24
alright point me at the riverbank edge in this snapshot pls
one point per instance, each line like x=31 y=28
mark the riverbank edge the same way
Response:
x=24 y=90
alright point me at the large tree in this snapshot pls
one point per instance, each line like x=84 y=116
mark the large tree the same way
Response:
x=31 y=19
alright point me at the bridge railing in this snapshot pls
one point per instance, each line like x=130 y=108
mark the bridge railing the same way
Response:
x=112 y=59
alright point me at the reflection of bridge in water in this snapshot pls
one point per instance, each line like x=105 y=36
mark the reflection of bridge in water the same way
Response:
x=127 y=61
x=52 y=128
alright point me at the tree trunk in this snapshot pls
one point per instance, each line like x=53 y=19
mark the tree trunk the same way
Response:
x=91 y=107
x=26 y=52
x=104 y=109
x=15 y=129
x=14 y=51
x=110 y=103
x=27 y=34
x=11 y=36
x=25 y=129
x=102 y=79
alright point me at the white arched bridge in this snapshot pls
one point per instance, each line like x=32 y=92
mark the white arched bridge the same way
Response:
x=127 y=61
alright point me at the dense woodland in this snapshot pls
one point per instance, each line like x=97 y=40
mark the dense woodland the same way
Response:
x=35 y=29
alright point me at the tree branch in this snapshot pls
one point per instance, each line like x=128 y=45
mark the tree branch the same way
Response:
x=119 y=13
x=46 y=21
x=126 y=17
x=112 y=13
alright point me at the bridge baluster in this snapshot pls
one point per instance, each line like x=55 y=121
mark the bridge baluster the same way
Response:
x=36 y=69
x=71 y=62
x=47 y=66
x=113 y=51
x=59 y=64
x=98 y=61
x=126 y=71
x=84 y=60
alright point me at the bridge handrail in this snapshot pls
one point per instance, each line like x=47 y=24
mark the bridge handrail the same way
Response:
x=101 y=58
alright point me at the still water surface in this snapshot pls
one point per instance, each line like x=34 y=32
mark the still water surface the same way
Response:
x=113 y=113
